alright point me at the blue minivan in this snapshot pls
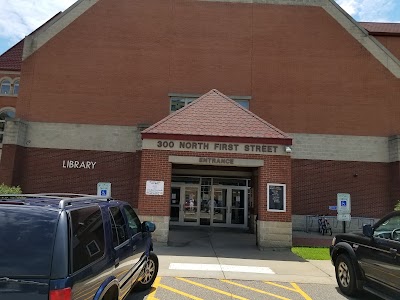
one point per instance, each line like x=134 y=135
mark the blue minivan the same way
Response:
x=71 y=247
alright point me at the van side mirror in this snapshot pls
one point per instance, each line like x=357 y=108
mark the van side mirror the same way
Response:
x=148 y=226
x=368 y=230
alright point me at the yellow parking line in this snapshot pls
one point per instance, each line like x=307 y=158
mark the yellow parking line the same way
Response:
x=296 y=289
x=280 y=286
x=212 y=289
x=254 y=290
x=179 y=292
x=152 y=294
x=300 y=291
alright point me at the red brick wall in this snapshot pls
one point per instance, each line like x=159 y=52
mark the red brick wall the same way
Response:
x=155 y=166
x=277 y=169
x=392 y=43
x=7 y=163
x=394 y=183
x=298 y=64
x=316 y=183
x=41 y=170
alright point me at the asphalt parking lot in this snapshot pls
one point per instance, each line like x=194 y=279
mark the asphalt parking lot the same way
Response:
x=177 y=288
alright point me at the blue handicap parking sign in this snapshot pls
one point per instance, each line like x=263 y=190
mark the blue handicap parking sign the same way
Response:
x=103 y=193
x=343 y=203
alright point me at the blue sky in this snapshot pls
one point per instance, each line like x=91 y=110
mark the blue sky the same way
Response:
x=18 y=18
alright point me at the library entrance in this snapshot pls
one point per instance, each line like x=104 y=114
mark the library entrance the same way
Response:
x=209 y=201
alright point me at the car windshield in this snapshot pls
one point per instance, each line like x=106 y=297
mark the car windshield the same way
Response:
x=388 y=226
x=26 y=241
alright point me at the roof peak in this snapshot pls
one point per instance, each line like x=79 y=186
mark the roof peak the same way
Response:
x=215 y=115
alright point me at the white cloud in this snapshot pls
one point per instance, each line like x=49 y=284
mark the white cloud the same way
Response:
x=369 y=10
x=19 y=18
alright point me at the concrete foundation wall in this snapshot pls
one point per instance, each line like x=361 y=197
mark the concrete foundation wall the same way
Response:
x=160 y=236
x=274 y=234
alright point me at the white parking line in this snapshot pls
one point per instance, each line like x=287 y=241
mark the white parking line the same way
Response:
x=219 y=268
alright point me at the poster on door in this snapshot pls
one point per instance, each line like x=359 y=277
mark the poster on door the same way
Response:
x=276 y=197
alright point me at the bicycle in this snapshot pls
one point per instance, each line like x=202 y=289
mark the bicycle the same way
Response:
x=324 y=226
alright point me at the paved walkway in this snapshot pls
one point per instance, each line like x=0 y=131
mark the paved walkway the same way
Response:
x=233 y=255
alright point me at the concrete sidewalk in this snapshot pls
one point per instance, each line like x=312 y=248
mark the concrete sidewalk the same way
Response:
x=233 y=254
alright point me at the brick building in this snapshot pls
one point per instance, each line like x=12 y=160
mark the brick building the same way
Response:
x=100 y=84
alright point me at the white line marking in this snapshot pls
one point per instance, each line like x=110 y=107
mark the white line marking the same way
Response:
x=219 y=268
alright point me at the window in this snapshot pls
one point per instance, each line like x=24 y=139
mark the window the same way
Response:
x=5 y=87
x=133 y=221
x=390 y=229
x=27 y=237
x=87 y=240
x=7 y=112
x=16 y=87
x=118 y=226
x=177 y=101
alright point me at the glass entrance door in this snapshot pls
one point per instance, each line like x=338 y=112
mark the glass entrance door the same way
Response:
x=238 y=207
x=219 y=206
x=224 y=206
x=184 y=205
x=229 y=206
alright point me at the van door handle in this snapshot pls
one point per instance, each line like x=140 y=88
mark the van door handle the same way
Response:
x=116 y=262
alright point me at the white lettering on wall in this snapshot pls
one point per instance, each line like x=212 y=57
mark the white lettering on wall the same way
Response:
x=76 y=164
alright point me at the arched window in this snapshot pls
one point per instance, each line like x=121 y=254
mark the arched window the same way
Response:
x=5 y=87
x=5 y=113
x=16 y=87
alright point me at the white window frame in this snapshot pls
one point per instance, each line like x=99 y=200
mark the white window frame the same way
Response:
x=284 y=197
x=191 y=97
x=2 y=80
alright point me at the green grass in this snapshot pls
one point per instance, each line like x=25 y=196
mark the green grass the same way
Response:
x=312 y=253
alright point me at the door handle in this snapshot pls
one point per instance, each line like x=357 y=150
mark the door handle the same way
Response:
x=393 y=251
x=134 y=248
x=116 y=262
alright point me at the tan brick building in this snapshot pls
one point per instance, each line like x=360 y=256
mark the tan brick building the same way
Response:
x=97 y=79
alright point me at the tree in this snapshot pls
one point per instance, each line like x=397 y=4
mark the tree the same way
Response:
x=5 y=189
x=397 y=206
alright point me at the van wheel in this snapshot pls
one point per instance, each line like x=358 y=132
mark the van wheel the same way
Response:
x=346 y=275
x=150 y=271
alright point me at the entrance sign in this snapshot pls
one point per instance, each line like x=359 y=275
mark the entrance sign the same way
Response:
x=104 y=189
x=154 y=187
x=276 y=197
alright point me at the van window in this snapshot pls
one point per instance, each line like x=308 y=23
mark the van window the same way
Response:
x=118 y=226
x=26 y=240
x=87 y=241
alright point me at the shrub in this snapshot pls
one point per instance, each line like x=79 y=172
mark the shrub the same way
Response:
x=397 y=206
x=5 y=189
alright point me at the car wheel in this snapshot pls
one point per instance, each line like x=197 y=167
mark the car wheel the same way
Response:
x=150 y=271
x=346 y=275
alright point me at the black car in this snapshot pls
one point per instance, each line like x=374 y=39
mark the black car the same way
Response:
x=369 y=261
x=70 y=247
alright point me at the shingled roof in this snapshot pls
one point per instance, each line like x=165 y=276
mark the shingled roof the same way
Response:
x=382 y=28
x=11 y=60
x=212 y=116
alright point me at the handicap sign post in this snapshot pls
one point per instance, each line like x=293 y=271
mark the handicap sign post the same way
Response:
x=343 y=208
x=104 y=189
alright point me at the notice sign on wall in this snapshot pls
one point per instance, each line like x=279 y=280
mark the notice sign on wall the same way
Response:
x=154 y=187
x=276 y=197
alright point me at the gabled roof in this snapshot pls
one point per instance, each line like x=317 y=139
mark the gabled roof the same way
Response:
x=382 y=28
x=11 y=60
x=212 y=116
